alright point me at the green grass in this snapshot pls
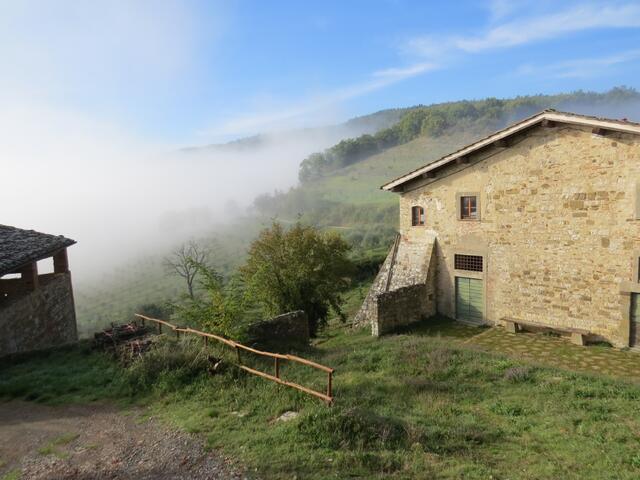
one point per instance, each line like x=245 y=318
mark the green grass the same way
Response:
x=15 y=474
x=412 y=405
x=53 y=447
x=68 y=375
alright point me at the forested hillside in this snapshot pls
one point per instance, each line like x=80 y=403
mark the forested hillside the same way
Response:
x=339 y=189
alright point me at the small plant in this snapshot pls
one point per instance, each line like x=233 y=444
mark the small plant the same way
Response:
x=518 y=374
x=440 y=359
x=51 y=448
x=507 y=410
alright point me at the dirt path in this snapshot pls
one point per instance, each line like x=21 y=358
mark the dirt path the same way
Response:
x=99 y=442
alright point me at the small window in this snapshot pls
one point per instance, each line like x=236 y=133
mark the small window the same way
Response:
x=417 y=216
x=469 y=208
x=472 y=263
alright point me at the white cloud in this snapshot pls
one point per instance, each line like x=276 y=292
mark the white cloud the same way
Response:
x=532 y=29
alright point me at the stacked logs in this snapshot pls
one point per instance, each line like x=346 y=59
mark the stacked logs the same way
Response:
x=117 y=335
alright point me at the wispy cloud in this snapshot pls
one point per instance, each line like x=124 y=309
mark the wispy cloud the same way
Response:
x=533 y=29
x=579 y=68
x=314 y=108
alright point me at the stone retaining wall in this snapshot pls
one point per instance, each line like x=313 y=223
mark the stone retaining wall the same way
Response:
x=288 y=330
x=41 y=319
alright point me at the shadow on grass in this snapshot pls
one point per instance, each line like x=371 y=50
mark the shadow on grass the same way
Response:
x=443 y=327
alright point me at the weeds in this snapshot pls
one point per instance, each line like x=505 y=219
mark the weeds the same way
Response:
x=518 y=374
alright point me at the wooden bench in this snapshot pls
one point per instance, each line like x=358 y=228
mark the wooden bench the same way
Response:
x=578 y=335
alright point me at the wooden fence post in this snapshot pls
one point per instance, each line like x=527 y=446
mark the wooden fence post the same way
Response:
x=329 y=386
x=277 y=361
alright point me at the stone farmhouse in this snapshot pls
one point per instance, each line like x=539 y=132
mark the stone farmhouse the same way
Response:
x=534 y=227
x=36 y=311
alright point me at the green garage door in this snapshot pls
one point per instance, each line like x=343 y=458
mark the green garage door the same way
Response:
x=469 y=300
x=635 y=318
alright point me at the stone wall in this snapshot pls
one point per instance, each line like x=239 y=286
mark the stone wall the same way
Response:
x=41 y=319
x=404 y=290
x=558 y=228
x=369 y=310
x=285 y=331
x=402 y=307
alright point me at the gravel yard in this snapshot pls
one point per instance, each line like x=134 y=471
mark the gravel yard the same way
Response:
x=100 y=442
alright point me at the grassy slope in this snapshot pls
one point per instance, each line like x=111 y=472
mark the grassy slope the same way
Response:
x=359 y=184
x=408 y=406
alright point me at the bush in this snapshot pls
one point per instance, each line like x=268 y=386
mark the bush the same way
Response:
x=169 y=364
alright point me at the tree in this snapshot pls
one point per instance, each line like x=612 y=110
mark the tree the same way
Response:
x=185 y=261
x=298 y=269
x=220 y=309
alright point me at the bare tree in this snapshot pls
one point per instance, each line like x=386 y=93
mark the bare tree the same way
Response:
x=184 y=262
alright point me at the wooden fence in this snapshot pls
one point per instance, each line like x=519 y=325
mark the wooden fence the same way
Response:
x=277 y=358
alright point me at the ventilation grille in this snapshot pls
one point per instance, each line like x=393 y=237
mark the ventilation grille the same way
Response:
x=472 y=263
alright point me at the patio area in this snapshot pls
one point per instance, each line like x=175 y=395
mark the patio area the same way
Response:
x=538 y=348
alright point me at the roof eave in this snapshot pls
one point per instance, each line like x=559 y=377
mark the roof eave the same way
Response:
x=522 y=125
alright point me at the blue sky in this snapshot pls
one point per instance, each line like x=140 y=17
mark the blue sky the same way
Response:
x=193 y=72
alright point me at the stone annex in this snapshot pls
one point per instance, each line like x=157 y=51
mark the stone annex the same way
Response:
x=36 y=311
x=534 y=227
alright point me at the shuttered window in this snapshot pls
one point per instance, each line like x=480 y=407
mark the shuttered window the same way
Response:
x=469 y=300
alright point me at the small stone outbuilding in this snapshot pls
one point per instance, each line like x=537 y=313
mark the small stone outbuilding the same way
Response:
x=37 y=312
x=535 y=225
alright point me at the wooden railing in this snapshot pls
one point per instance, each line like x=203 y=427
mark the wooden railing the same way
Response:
x=277 y=358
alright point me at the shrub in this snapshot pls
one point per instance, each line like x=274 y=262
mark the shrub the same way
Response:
x=352 y=429
x=301 y=268
x=168 y=364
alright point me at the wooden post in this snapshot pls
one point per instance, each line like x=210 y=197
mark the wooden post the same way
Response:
x=29 y=276
x=238 y=355
x=61 y=262
x=329 y=386
x=178 y=334
x=206 y=341
x=277 y=365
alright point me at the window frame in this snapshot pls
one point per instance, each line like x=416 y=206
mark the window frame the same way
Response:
x=459 y=210
x=418 y=220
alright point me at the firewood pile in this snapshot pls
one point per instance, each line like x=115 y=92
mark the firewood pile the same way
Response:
x=116 y=335
x=128 y=351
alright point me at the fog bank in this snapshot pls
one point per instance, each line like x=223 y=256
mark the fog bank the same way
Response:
x=120 y=196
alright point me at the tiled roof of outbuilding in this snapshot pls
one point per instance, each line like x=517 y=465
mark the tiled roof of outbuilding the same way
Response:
x=19 y=247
